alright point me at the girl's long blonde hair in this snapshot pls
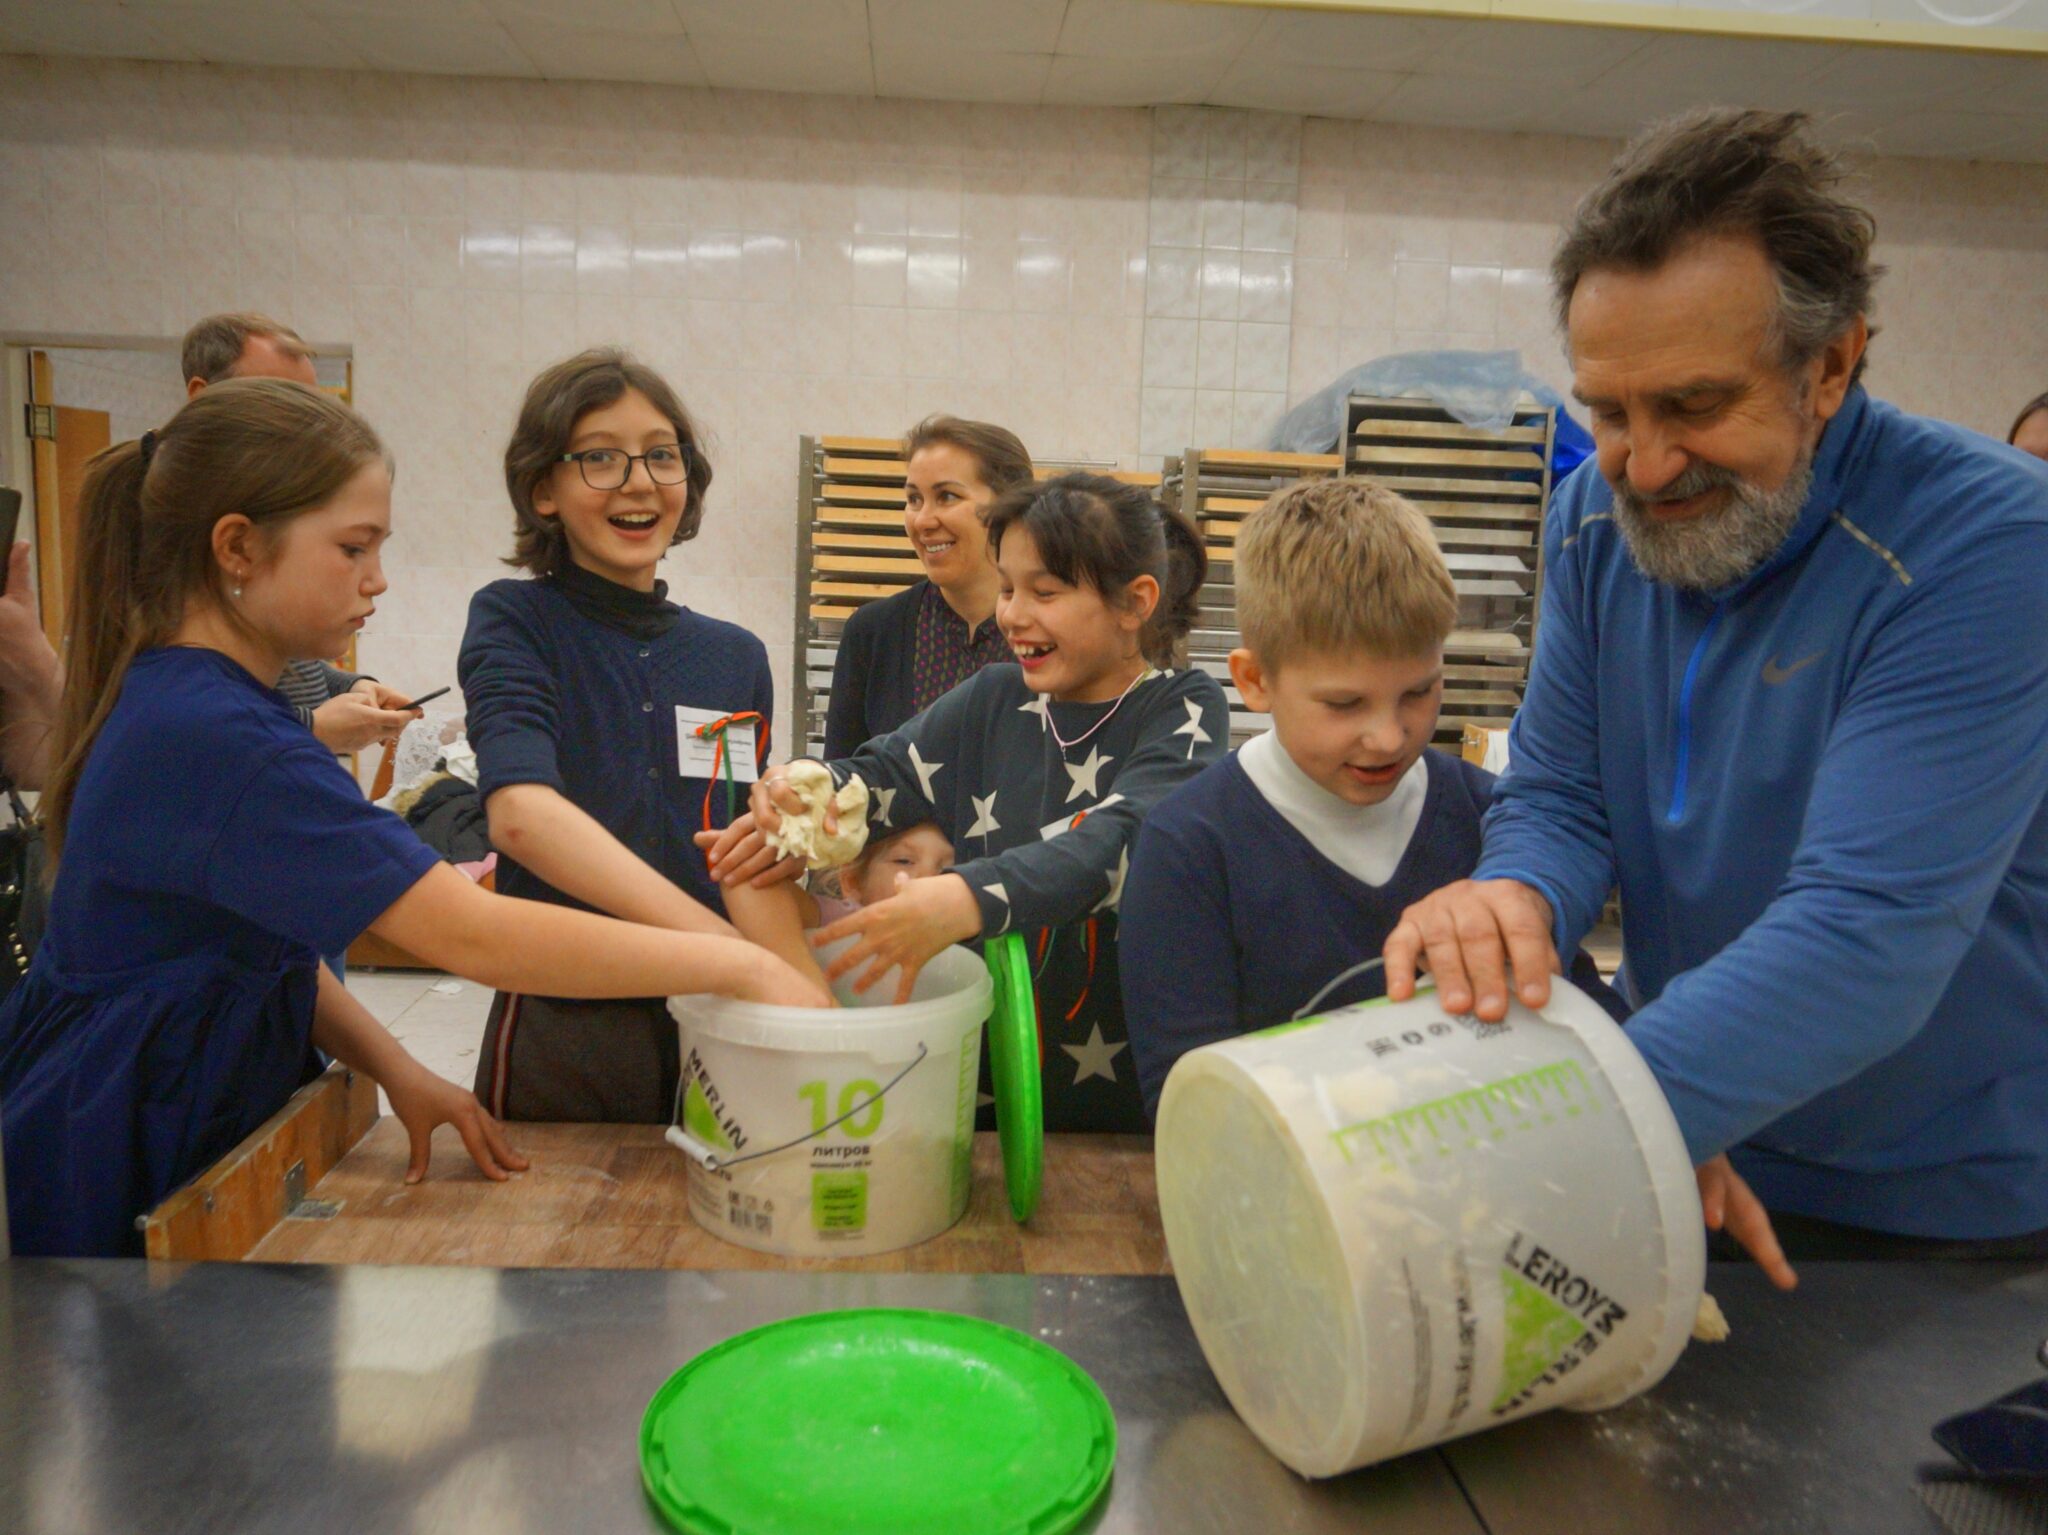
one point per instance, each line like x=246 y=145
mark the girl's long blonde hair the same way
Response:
x=267 y=448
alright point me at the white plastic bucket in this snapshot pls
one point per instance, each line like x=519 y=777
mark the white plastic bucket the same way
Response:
x=832 y=1134
x=1392 y=1227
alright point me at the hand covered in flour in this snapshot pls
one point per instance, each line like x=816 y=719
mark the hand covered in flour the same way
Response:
x=762 y=848
x=1730 y=1205
x=741 y=853
x=830 y=827
x=904 y=932
x=1469 y=936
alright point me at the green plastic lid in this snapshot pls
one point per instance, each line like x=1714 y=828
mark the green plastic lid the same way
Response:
x=877 y=1423
x=1013 y=1068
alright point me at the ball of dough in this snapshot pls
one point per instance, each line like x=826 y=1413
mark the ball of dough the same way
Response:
x=1709 y=1326
x=804 y=835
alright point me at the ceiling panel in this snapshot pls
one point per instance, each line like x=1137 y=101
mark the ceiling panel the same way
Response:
x=563 y=53
x=1133 y=82
x=419 y=45
x=1602 y=81
x=1896 y=79
x=932 y=69
x=1958 y=135
x=801 y=21
x=1000 y=26
x=1149 y=29
x=1447 y=101
x=747 y=61
x=1672 y=74
x=1526 y=51
x=110 y=31
x=1308 y=89
x=1325 y=40
x=429 y=10
x=281 y=34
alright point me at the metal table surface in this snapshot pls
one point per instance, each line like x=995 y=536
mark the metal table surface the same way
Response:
x=256 y=1398
x=259 y=1398
x=1813 y=1418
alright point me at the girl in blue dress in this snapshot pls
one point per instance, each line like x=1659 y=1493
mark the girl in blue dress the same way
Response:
x=210 y=849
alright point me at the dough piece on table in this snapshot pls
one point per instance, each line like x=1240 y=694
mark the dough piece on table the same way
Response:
x=1709 y=1326
x=804 y=836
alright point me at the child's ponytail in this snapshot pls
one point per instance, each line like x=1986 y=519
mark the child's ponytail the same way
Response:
x=100 y=626
x=1187 y=567
x=1095 y=531
x=265 y=448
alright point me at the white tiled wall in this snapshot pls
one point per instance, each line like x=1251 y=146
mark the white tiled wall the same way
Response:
x=1413 y=238
x=791 y=263
x=1220 y=276
x=1115 y=284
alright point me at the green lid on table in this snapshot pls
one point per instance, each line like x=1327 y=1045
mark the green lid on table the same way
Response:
x=1013 y=1066
x=878 y=1422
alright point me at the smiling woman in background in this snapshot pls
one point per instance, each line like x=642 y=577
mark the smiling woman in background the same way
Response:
x=901 y=653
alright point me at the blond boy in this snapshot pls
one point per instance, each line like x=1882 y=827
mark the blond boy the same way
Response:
x=1261 y=882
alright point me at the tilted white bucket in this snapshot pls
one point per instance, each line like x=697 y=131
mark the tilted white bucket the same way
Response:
x=833 y=1133
x=1392 y=1227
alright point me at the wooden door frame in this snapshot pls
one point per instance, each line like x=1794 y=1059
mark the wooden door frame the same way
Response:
x=51 y=584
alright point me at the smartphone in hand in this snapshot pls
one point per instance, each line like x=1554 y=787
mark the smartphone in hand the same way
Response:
x=10 y=520
x=424 y=698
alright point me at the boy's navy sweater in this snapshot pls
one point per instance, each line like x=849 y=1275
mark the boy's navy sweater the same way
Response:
x=582 y=695
x=1233 y=920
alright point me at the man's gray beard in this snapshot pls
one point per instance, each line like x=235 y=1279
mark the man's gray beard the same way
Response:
x=1714 y=549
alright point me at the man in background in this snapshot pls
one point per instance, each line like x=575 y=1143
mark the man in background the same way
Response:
x=349 y=713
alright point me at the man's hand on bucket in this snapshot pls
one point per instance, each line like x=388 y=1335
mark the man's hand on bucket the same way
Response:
x=1731 y=1206
x=1469 y=936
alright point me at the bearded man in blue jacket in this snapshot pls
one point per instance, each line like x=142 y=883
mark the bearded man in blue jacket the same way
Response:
x=1790 y=689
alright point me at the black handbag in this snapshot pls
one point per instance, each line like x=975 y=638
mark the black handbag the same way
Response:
x=24 y=894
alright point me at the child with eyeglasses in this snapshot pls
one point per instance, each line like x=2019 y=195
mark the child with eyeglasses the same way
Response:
x=608 y=723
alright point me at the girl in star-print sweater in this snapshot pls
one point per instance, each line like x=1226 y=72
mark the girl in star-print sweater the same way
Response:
x=1039 y=773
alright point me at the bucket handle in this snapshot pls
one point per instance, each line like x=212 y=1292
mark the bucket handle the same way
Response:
x=710 y=1160
x=1309 y=1006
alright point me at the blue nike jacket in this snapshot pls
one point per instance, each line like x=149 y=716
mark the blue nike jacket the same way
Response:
x=1822 y=793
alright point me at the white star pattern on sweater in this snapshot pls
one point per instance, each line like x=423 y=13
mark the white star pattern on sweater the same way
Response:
x=1084 y=774
x=1037 y=706
x=1193 y=728
x=985 y=821
x=1097 y=1058
x=884 y=799
x=926 y=771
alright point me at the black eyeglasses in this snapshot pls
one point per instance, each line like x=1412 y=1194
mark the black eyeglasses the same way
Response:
x=610 y=468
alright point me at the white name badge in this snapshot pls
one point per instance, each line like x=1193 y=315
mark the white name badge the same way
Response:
x=698 y=755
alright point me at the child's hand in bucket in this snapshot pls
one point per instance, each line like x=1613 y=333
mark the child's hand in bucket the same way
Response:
x=904 y=932
x=781 y=985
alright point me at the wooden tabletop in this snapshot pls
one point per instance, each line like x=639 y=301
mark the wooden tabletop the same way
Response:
x=614 y=1196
